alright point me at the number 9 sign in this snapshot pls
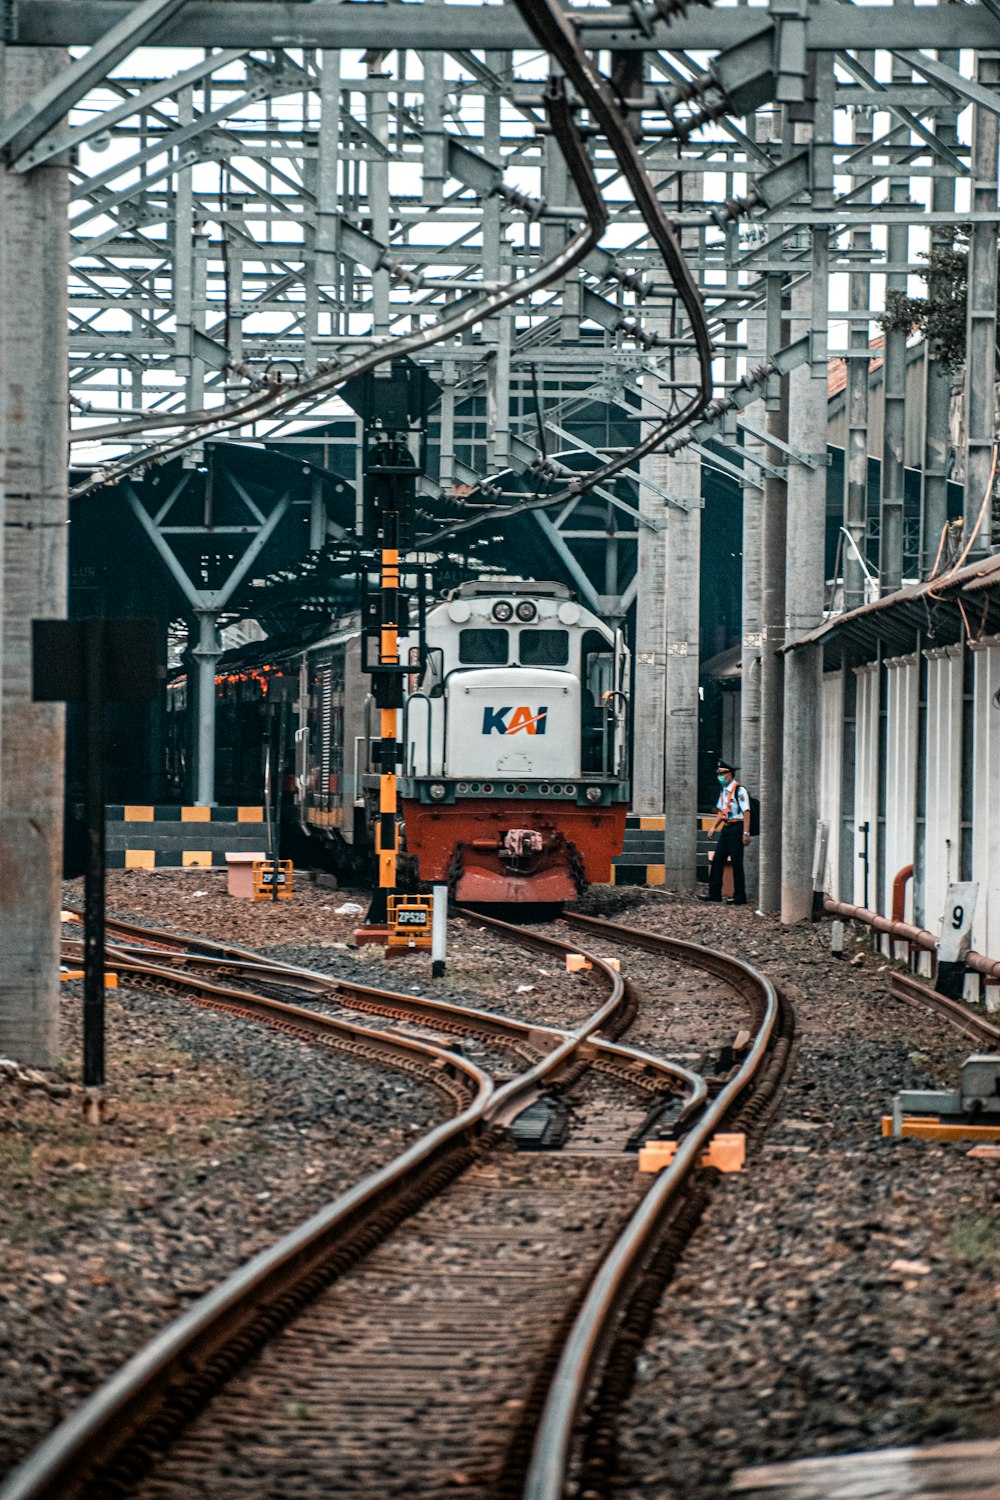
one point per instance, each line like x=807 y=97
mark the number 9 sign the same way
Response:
x=956 y=926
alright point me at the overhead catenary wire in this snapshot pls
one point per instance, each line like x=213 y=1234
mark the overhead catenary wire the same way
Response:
x=278 y=398
x=554 y=32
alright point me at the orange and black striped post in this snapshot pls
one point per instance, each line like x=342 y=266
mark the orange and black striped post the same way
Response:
x=393 y=405
x=388 y=727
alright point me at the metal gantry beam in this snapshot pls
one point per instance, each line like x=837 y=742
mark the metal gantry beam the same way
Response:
x=319 y=177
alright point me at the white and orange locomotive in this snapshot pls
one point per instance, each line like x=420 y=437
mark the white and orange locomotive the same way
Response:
x=514 y=786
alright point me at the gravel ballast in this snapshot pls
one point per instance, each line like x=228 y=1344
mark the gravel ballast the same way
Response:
x=221 y=1135
x=844 y=1291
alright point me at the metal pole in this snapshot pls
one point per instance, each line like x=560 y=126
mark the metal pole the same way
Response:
x=93 y=887
x=388 y=747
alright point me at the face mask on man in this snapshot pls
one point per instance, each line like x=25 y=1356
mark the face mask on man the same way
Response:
x=722 y=778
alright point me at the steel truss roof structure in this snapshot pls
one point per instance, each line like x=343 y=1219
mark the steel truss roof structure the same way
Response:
x=266 y=185
x=264 y=192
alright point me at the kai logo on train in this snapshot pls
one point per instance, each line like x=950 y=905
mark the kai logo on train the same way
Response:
x=496 y=720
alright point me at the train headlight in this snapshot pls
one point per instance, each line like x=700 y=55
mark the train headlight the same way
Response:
x=502 y=610
x=526 y=610
x=437 y=792
x=593 y=794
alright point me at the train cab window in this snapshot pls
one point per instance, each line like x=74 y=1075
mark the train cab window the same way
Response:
x=600 y=674
x=544 y=648
x=483 y=648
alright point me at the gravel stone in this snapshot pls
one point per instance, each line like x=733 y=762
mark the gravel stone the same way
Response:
x=843 y=1292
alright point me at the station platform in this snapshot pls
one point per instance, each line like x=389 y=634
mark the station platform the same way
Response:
x=953 y=1471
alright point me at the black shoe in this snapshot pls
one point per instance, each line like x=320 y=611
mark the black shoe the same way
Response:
x=709 y=898
x=732 y=901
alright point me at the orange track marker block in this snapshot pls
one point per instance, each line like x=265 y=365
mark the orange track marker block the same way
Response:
x=726 y=1152
x=576 y=961
x=926 y=1128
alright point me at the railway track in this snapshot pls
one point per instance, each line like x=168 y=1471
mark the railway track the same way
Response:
x=456 y=1354
x=910 y=991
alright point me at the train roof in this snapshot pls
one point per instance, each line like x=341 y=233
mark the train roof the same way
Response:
x=478 y=588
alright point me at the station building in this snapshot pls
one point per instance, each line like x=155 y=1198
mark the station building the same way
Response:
x=910 y=766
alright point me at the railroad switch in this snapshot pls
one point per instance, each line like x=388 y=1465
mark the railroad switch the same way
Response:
x=543 y=1126
x=726 y=1152
x=969 y=1113
x=662 y=1118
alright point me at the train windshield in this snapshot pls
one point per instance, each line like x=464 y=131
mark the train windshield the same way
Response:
x=544 y=648
x=483 y=648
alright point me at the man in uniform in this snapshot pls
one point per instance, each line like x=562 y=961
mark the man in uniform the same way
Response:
x=732 y=816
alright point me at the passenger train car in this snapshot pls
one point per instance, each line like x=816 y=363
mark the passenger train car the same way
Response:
x=514 y=782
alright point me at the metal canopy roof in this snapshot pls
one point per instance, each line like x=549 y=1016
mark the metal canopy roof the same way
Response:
x=962 y=602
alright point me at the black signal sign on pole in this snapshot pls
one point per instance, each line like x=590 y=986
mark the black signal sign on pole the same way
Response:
x=94 y=662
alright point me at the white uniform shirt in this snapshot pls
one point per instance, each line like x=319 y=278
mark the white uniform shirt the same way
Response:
x=734 y=801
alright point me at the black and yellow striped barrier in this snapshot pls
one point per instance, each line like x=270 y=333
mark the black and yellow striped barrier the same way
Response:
x=164 y=836
x=641 y=859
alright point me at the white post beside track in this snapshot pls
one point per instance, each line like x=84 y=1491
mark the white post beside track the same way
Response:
x=439 y=931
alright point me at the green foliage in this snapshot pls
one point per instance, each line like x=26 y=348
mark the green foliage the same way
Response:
x=940 y=315
x=975 y=1238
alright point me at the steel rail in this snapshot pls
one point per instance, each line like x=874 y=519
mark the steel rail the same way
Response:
x=263 y=1008
x=200 y=1343
x=443 y=1014
x=66 y=1462
x=908 y=989
x=609 y=1293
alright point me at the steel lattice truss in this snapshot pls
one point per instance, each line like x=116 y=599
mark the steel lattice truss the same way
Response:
x=245 y=218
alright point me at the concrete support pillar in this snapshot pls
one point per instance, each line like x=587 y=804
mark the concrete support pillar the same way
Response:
x=981 y=326
x=772 y=616
x=750 y=609
x=206 y=655
x=894 y=412
x=650 y=653
x=937 y=384
x=856 y=447
x=891 y=496
x=804 y=592
x=33 y=364
x=682 y=480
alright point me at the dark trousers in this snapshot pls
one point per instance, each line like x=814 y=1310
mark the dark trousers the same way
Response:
x=728 y=845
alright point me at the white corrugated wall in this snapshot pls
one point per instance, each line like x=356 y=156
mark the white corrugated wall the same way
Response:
x=986 y=795
x=943 y=810
x=831 y=771
x=866 y=773
x=901 y=691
